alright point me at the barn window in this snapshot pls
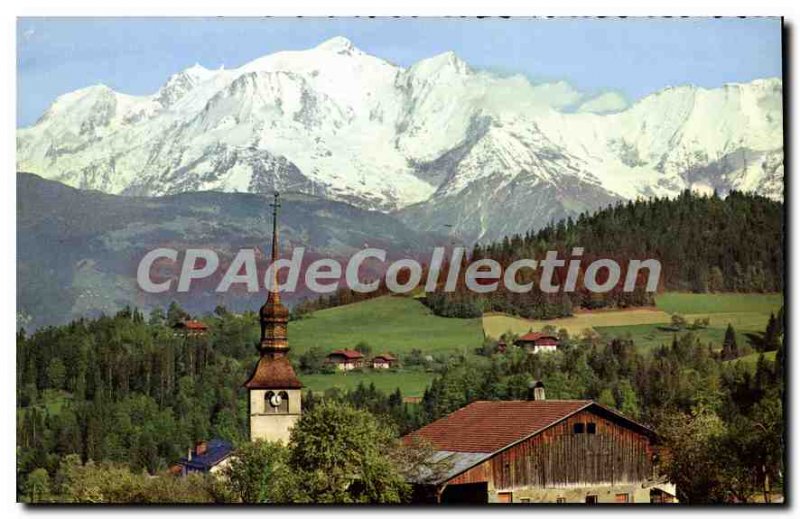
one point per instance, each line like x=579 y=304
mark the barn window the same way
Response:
x=561 y=500
x=591 y=428
x=591 y=499
x=577 y=428
x=622 y=498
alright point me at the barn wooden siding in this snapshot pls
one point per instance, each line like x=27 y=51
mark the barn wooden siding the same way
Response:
x=558 y=457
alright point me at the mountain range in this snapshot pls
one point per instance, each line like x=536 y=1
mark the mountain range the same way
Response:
x=439 y=145
x=78 y=250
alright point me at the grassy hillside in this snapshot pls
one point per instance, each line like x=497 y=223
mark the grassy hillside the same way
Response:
x=751 y=360
x=687 y=303
x=396 y=324
x=748 y=313
x=389 y=323
x=498 y=324
x=650 y=336
x=78 y=251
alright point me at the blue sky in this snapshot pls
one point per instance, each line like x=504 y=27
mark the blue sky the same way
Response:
x=632 y=56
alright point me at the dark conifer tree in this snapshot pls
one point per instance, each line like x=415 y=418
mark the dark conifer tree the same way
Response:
x=729 y=348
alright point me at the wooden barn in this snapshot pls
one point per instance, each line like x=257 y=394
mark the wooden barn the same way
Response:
x=539 y=451
x=346 y=360
x=537 y=342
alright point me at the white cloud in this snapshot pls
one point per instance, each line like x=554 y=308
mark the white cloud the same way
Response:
x=604 y=103
x=558 y=95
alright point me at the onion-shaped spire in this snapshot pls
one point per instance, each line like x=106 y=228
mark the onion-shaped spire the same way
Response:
x=273 y=315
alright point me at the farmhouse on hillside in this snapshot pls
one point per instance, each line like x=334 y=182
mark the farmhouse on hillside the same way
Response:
x=538 y=451
x=346 y=360
x=383 y=361
x=190 y=328
x=537 y=342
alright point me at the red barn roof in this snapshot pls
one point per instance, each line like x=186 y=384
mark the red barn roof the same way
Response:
x=385 y=356
x=348 y=354
x=535 y=336
x=488 y=426
x=192 y=325
x=479 y=431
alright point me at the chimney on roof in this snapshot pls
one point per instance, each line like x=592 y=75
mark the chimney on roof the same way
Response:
x=189 y=455
x=536 y=390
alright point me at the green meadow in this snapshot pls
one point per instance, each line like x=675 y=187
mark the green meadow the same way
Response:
x=401 y=324
x=390 y=323
x=650 y=327
x=650 y=336
x=687 y=303
x=747 y=313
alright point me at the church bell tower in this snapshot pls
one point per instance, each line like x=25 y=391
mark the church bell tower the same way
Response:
x=273 y=388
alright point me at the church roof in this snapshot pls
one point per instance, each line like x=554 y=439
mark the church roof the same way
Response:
x=273 y=373
x=273 y=307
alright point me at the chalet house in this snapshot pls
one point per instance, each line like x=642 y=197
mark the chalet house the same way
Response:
x=346 y=360
x=383 y=361
x=538 y=451
x=206 y=457
x=191 y=328
x=537 y=342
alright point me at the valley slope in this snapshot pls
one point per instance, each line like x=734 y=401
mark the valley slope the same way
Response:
x=78 y=251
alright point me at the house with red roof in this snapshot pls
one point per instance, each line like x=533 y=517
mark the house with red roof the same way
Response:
x=383 y=361
x=191 y=328
x=537 y=342
x=346 y=360
x=538 y=451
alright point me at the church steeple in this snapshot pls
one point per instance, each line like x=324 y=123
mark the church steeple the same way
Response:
x=274 y=390
x=276 y=205
x=274 y=317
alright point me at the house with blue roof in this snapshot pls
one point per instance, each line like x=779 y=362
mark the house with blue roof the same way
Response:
x=206 y=457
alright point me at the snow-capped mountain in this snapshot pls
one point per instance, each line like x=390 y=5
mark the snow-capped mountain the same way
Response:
x=439 y=143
